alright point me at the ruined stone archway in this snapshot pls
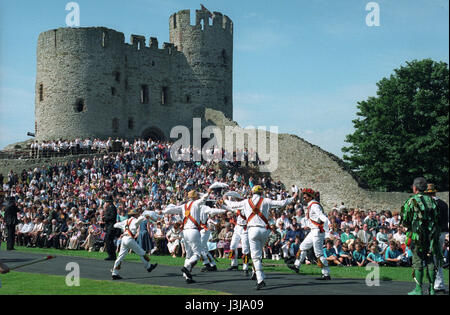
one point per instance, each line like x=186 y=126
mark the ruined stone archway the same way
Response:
x=153 y=133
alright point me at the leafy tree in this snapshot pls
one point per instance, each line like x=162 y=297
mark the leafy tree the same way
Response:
x=403 y=132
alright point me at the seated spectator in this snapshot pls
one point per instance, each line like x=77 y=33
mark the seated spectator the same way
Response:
x=359 y=257
x=24 y=234
x=274 y=242
x=347 y=235
x=347 y=223
x=345 y=255
x=364 y=235
x=293 y=232
x=36 y=232
x=382 y=238
x=225 y=237
x=75 y=237
x=330 y=254
x=174 y=239
x=159 y=234
x=399 y=236
x=393 y=256
x=375 y=257
x=94 y=232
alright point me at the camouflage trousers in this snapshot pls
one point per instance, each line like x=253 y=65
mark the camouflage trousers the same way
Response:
x=421 y=259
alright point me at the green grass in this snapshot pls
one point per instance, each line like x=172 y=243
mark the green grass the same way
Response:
x=386 y=273
x=21 y=283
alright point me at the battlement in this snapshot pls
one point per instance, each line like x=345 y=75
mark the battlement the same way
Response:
x=204 y=20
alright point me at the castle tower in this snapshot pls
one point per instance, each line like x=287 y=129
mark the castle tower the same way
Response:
x=208 y=49
x=73 y=89
x=91 y=83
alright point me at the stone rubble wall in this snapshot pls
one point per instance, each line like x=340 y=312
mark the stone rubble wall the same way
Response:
x=307 y=165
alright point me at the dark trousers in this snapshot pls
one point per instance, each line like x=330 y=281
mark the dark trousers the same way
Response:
x=10 y=237
x=109 y=242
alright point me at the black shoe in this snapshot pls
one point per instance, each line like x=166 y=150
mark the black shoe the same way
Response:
x=253 y=277
x=260 y=285
x=116 y=277
x=233 y=268
x=110 y=258
x=293 y=267
x=190 y=280
x=439 y=291
x=152 y=266
x=324 y=278
x=185 y=271
x=213 y=268
x=205 y=268
x=246 y=273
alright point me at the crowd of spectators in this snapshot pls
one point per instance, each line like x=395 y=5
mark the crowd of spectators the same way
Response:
x=62 y=205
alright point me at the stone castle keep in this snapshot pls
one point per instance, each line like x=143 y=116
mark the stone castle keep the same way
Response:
x=90 y=83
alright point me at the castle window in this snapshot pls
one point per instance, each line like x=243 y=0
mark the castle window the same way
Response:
x=225 y=100
x=113 y=91
x=130 y=123
x=144 y=94
x=41 y=92
x=224 y=57
x=187 y=99
x=153 y=63
x=126 y=84
x=115 y=125
x=117 y=76
x=202 y=23
x=164 y=95
x=175 y=20
x=79 y=106
x=104 y=37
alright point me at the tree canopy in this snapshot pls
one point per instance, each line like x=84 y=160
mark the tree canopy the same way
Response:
x=403 y=132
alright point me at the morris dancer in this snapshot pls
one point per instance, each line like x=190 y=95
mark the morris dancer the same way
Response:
x=240 y=235
x=129 y=228
x=315 y=238
x=191 y=212
x=256 y=210
x=209 y=264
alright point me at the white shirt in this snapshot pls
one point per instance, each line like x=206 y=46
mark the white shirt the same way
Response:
x=195 y=213
x=316 y=214
x=27 y=227
x=134 y=223
x=266 y=205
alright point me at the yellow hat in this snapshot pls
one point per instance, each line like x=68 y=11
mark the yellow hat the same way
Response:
x=257 y=189
x=133 y=212
x=192 y=194
x=430 y=189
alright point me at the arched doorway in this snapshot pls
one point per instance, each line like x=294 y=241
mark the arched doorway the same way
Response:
x=153 y=133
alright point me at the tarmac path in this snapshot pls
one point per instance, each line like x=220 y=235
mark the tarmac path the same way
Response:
x=233 y=282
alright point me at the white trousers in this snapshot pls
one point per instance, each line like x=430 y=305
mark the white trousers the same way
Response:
x=315 y=240
x=193 y=246
x=439 y=282
x=240 y=235
x=257 y=237
x=207 y=257
x=128 y=243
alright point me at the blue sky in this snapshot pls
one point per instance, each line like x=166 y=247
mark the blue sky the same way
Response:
x=298 y=65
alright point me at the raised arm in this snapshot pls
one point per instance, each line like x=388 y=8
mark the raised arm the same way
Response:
x=173 y=210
